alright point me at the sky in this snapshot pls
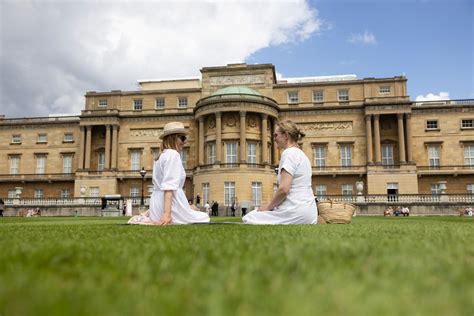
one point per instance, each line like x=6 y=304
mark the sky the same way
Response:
x=52 y=52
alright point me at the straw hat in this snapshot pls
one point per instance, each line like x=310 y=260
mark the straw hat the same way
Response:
x=173 y=128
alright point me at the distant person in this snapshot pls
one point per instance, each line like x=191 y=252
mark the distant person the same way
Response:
x=405 y=211
x=468 y=211
x=232 y=208
x=388 y=211
x=293 y=202
x=207 y=208
x=168 y=202
x=397 y=211
x=2 y=207
x=198 y=200
x=215 y=209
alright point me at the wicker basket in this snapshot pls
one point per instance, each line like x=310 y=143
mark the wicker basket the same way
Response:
x=336 y=212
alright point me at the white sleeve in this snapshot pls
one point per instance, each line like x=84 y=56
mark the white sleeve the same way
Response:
x=171 y=172
x=289 y=162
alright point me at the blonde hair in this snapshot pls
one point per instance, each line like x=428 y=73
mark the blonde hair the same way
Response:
x=169 y=142
x=294 y=133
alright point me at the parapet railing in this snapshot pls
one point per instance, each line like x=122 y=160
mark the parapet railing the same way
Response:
x=444 y=102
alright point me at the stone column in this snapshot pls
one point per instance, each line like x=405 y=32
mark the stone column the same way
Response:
x=377 y=139
x=368 y=131
x=88 y=147
x=218 y=137
x=274 y=147
x=401 y=138
x=409 y=143
x=265 y=138
x=201 y=141
x=82 y=137
x=114 y=146
x=107 y=147
x=243 y=137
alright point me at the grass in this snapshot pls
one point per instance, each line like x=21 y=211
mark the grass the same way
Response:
x=375 y=266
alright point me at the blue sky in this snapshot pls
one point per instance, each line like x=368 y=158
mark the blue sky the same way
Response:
x=53 y=52
x=431 y=42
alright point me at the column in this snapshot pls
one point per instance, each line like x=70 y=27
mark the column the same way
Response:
x=243 y=137
x=218 y=137
x=377 y=139
x=114 y=146
x=368 y=131
x=409 y=152
x=88 y=147
x=401 y=138
x=274 y=147
x=107 y=147
x=264 y=138
x=82 y=137
x=201 y=141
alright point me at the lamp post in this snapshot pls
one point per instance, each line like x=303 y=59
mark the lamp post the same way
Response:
x=142 y=173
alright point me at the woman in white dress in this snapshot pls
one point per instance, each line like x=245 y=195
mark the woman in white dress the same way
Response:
x=168 y=202
x=293 y=202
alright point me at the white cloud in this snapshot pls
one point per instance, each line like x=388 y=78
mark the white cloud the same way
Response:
x=365 y=38
x=52 y=52
x=433 y=97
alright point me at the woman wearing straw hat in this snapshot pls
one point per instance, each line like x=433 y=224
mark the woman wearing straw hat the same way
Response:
x=168 y=203
x=293 y=202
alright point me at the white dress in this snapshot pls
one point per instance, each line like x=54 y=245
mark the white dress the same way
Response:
x=299 y=207
x=169 y=174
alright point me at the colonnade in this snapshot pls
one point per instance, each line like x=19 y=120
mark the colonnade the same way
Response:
x=265 y=158
x=85 y=145
x=405 y=152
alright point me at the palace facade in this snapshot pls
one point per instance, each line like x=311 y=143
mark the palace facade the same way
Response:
x=362 y=136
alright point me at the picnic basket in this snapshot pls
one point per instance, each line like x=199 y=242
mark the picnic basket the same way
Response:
x=333 y=212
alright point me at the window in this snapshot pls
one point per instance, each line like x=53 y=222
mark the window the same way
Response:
x=321 y=191
x=347 y=189
x=434 y=155
x=293 y=97
x=16 y=139
x=65 y=194
x=155 y=152
x=39 y=194
x=436 y=188
x=346 y=155
x=182 y=102
x=469 y=155
x=205 y=192
x=14 y=165
x=68 y=137
x=231 y=152
x=320 y=156
x=470 y=188
x=256 y=193
x=318 y=96
x=40 y=164
x=67 y=163
x=42 y=139
x=211 y=147
x=160 y=103
x=12 y=194
x=184 y=157
x=100 y=161
x=432 y=124
x=135 y=160
x=102 y=103
x=384 y=89
x=229 y=193
x=135 y=192
x=467 y=124
x=343 y=95
x=387 y=155
x=252 y=153
x=94 y=192
x=137 y=104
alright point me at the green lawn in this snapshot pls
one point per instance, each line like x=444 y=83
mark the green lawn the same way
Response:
x=99 y=266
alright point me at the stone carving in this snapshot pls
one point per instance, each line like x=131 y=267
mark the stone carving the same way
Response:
x=313 y=129
x=236 y=80
x=146 y=132
x=231 y=121
x=252 y=122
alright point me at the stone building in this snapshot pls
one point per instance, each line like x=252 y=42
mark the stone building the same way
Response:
x=364 y=131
